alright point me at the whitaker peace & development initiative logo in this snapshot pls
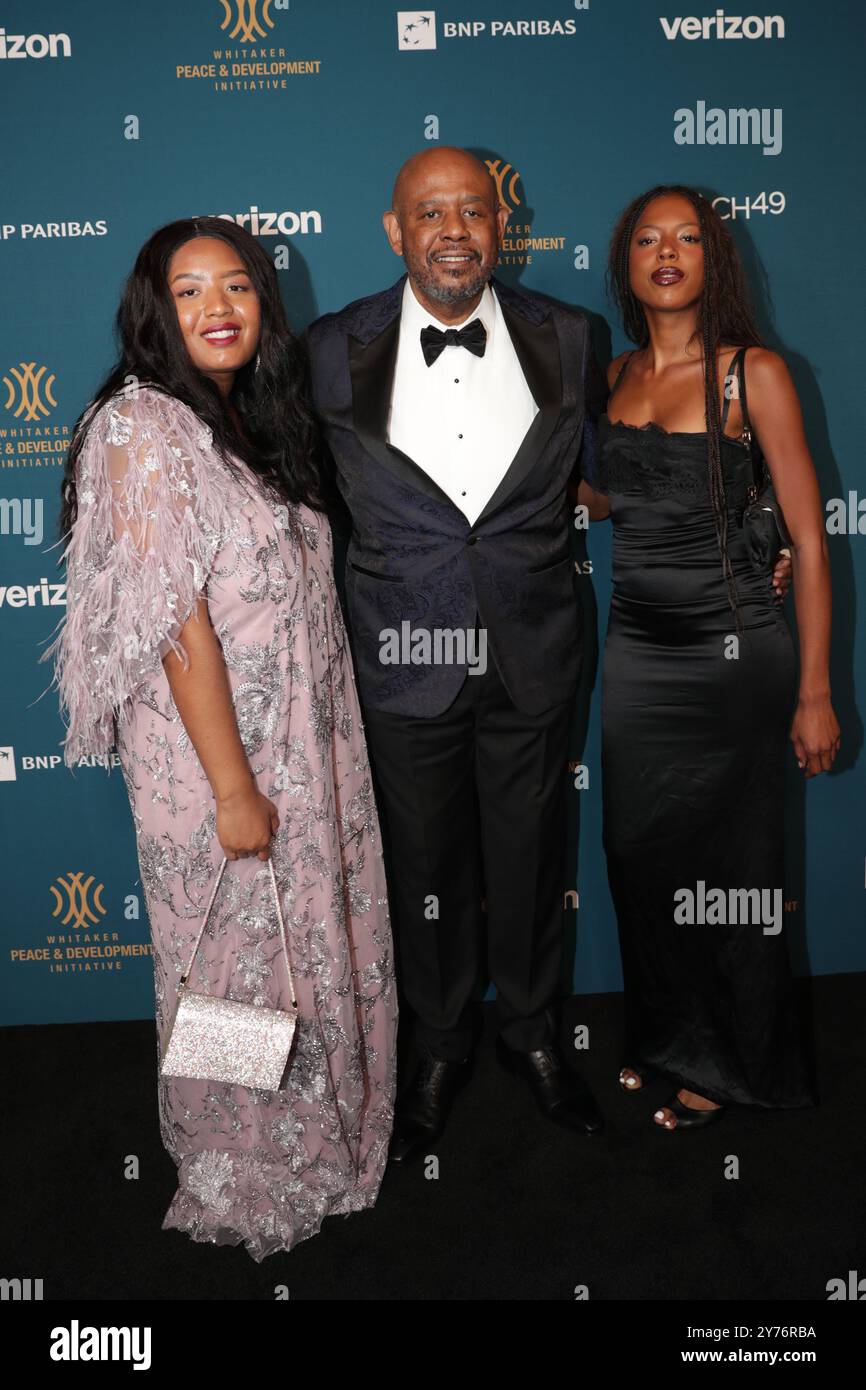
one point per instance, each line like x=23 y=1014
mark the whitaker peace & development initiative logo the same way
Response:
x=520 y=241
x=82 y=940
x=79 y=901
x=26 y=439
x=257 y=64
x=29 y=391
x=247 y=20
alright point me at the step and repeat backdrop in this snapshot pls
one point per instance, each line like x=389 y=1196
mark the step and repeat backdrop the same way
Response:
x=291 y=117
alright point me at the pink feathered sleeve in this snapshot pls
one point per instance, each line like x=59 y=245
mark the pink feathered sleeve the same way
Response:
x=153 y=500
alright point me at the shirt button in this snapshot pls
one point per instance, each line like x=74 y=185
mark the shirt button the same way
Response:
x=460 y=436
x=457 y=381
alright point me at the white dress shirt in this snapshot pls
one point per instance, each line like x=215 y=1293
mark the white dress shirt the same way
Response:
x=464 y=418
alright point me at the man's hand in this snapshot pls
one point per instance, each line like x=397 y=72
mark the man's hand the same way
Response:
x=782 y=574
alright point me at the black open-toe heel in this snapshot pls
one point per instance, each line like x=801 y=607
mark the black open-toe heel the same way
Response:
x=687 y=1117
x=645 y=1072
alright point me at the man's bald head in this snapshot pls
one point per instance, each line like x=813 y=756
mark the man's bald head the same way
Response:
x=442 y=163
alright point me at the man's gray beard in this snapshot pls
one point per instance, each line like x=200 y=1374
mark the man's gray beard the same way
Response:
x=449 y=294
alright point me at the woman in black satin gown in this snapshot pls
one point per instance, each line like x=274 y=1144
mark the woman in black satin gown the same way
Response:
x=700 y=688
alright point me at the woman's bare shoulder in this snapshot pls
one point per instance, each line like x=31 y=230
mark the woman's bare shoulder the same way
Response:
x=766 y=371
x=615 y=364
x=763 y=358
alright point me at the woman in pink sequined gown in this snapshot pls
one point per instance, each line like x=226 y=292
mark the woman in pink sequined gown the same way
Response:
x=204 y=635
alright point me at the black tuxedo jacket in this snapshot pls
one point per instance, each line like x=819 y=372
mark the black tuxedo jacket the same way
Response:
x=413 y=556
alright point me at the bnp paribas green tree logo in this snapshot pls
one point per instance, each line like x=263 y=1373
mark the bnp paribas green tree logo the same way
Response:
x=249 y=19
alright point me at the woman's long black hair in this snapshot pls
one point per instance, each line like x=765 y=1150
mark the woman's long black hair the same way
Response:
x=271 y=394
x=724 y=316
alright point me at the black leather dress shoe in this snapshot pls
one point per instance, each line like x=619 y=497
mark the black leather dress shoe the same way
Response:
x=422 y=1111
x=559 y=1092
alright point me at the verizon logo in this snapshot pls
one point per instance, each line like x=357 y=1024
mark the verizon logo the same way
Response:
x=723 y=26
x=41 y=595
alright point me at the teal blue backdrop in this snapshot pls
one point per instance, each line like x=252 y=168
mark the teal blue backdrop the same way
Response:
x=120 y=117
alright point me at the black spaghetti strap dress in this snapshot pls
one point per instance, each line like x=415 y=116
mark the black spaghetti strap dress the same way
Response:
x=695 y=732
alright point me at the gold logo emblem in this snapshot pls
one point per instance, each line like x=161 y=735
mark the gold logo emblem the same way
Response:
x=247 y=27
x=507 y=179
x=79 y=901
x=28 y=388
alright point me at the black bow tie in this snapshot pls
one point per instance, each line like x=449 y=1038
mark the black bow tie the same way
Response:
x=473 y=337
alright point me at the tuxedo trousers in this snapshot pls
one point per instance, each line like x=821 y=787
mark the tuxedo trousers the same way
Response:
x=474 y=808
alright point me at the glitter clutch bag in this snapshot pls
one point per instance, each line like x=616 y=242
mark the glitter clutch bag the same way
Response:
x=224 y=1040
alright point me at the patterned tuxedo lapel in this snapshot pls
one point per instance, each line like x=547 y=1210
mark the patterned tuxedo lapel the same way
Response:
x=372 y=345
x=533 y=332
x=374 y=329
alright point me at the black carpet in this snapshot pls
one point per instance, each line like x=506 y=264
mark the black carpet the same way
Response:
x=520 y=1210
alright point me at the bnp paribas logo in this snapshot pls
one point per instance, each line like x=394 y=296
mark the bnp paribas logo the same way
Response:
x=29 y=391
x=76 y=897
x=247 y=21
x=416 y=29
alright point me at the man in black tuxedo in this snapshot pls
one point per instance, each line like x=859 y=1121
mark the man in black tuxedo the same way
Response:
x=454 y=408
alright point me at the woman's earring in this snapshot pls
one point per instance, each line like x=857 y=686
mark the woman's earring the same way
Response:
x=258 y=360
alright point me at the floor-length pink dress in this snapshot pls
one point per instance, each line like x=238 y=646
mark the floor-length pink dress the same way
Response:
x=161 y=521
